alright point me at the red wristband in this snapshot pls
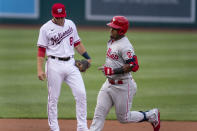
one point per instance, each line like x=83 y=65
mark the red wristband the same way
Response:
x=108 y=71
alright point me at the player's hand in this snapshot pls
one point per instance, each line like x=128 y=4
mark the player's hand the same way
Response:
x=101 y=68
x=108 y=71
x=41 y=75
x=89 y=61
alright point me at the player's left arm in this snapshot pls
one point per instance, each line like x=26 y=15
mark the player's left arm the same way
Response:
x=82 y=51
x=131 y=65
x=131 y=61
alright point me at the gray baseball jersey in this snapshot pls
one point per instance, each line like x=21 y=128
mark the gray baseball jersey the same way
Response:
x=117 y=53
x=118 y=95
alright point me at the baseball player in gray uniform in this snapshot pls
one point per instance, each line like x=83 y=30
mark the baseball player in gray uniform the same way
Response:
x=119 y=87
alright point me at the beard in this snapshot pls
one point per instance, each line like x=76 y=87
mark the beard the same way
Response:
x=117 y=37
x=111 y=37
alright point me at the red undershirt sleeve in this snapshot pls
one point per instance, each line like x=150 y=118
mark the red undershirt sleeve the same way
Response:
x=77 y=43
x=41 y=51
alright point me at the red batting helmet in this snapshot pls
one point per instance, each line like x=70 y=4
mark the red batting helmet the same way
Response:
x=121 y=23
x=58 y=10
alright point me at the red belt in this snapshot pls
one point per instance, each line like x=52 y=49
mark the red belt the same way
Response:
x=114 y=82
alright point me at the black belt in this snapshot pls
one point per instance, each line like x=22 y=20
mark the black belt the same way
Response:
x=61 y=58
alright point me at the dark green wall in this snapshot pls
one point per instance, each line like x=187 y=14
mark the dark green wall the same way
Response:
x=76 y=11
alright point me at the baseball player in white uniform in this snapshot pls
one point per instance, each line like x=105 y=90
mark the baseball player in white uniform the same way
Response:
x=57 y=39
x=119 y=87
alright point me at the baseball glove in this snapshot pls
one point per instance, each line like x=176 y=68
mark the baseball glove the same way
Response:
x=83 y=65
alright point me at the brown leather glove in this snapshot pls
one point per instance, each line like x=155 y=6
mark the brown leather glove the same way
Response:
x=83 y=65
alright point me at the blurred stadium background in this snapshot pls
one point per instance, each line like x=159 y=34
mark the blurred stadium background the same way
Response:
x=168 y=65
x=152 y=13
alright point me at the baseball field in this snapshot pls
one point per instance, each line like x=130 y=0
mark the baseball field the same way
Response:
x=167 y=78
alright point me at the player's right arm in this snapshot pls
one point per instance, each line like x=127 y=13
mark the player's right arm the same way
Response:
x=41 y=44
x=40 y=61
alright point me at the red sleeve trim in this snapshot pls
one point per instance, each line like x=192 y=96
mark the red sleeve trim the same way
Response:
x=77 y=43
x=41 y=51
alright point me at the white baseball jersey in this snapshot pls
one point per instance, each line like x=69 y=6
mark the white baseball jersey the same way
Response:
x=58 y=40
x=117 y=53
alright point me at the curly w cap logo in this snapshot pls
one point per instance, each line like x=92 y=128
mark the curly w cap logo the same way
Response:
x=59 y=10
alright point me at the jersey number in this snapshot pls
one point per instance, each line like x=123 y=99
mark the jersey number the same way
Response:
x=71 y=41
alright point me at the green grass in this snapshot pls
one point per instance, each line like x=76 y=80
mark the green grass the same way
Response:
x=167 y=78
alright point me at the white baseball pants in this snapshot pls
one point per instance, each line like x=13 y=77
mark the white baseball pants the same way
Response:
x=64 y=71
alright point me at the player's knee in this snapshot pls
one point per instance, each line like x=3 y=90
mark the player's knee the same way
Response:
x=81 y=94
x=101 y=111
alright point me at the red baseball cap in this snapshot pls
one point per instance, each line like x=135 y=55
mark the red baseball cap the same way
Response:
x=58 y=10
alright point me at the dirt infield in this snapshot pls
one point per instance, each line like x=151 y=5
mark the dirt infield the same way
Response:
x=70 y=125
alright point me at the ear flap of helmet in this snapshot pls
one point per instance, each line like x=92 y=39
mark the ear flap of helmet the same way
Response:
x=121 y=32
